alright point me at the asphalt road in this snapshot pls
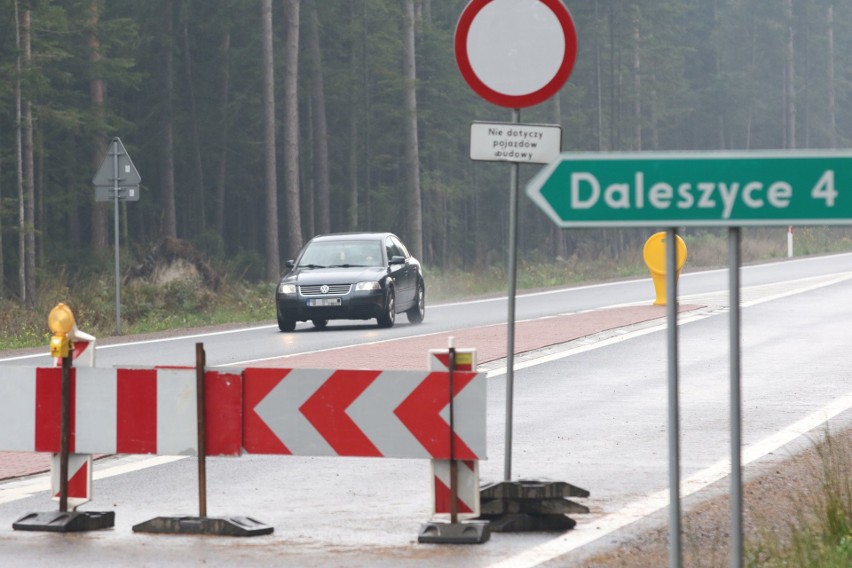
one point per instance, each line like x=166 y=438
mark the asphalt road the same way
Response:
x=591 y=412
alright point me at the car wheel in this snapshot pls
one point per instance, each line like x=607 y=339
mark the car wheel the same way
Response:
x=418 y=310
x=286 y=323
x=319 y=323
x=388 y=318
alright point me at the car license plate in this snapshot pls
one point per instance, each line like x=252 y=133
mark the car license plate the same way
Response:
x=323 y=301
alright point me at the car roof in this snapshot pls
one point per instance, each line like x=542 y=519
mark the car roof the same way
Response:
x=352 y=236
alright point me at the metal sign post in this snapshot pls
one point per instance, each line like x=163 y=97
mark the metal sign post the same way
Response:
x=675 y=555
x=736 y=399
x=117 y=180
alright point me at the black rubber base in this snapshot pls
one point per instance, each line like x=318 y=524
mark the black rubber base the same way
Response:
x=475 y=532
x=73 y=521
x=232 y=526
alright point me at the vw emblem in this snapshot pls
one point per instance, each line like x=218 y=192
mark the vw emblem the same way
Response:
x=324 y=288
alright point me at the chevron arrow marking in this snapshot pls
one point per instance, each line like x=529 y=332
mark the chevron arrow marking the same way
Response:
x=326 y=411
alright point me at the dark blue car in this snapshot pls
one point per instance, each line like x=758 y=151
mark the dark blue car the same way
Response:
x=355 y=276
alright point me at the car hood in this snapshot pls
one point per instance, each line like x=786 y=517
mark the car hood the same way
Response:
x=309 y=276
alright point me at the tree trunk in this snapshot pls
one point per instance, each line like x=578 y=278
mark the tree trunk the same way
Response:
x=291 y=128
x=350 y=220
x=2 y=258
x=19 y=161
x=168 y=226
x=28 y=228
x=637 y=83
x=321 y=165
x=832 y=111
x=790 y=79
x=97 y=97
x=223 y=121
x=599 y=85
x=271 y=189
x=196 y=139
x=412 y=152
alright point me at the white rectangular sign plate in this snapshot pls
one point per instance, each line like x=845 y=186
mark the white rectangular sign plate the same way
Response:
x=513 y=142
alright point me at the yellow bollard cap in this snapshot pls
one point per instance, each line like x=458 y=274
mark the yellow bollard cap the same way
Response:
x=654 y=253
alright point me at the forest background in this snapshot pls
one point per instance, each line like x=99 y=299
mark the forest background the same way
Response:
x=256 y=124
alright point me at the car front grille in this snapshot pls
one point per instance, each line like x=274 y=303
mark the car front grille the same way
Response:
x=333 y=290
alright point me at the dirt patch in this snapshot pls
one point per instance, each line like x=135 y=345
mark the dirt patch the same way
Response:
x=174 y=259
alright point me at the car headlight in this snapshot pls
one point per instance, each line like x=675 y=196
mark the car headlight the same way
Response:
x=287 y=288
x=367 y=286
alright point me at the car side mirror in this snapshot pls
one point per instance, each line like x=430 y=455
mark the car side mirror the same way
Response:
x=397 y=260
x=290 y=264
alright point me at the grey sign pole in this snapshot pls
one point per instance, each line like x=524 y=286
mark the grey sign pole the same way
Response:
x=675 y=546
x=115 y=230
x=117 y=179
x=734 y=236
x=510 y=332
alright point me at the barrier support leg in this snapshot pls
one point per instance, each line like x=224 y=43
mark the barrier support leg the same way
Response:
x=454 y=532
x=65 y=520
x=202 y=524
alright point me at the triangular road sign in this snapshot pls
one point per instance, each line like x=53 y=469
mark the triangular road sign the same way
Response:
x=127 y=176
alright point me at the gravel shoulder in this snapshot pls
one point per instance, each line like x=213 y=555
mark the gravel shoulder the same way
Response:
x=777 y=495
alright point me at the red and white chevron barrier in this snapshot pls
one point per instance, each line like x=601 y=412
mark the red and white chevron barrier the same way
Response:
x=307 y=412
x=398 y=414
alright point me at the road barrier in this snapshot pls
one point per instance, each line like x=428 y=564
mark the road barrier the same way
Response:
x=201 y=412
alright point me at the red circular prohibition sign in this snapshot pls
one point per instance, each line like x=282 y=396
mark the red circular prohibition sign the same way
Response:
x=527 y=99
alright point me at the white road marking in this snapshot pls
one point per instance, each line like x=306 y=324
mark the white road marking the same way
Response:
x=18 y=489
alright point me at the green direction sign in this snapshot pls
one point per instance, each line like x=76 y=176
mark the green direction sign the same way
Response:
x=655 y=189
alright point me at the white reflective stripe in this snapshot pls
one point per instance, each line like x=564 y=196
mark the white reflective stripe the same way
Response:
x=17 y=409
x=280 y=410
x=177 y=421
x=470 y=411
x=86 y=358
x=373 y=412
x=96 y=415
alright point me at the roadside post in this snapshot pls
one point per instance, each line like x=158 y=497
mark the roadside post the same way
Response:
x=79 y=476
x=61 y=324
x=689 y=189
x=117 y=180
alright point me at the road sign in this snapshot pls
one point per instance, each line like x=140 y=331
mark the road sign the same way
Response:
x=513 y=142
x=515 y=53
x=117 y=169
x=735 y=189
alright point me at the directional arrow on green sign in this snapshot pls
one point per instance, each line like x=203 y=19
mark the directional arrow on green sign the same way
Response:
x=654 y=189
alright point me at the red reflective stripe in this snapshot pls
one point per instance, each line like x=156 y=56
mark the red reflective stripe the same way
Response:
x=326 y=411
x=136 y=422
x=223 y=413
x=48 y=409
x=258 y=438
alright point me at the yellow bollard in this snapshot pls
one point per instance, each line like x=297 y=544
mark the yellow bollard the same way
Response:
x=654 y=253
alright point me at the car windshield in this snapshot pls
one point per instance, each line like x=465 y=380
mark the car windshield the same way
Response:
x=328 y=254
